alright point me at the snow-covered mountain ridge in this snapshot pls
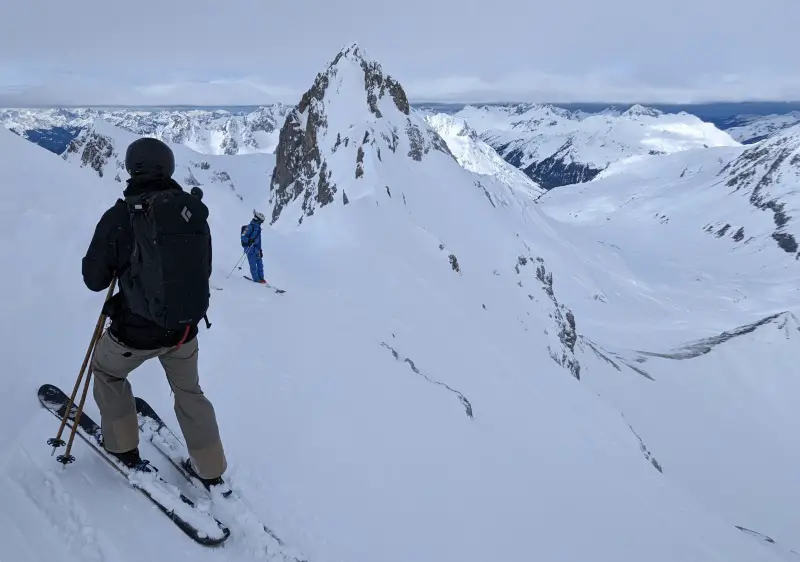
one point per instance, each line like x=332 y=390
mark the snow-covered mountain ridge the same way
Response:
x=477 y=156
x=454 y=371
x=538 y=138
x=101 y=148
x=556 y=147
x=746 y=194
x=750 y=129
x=212 y=132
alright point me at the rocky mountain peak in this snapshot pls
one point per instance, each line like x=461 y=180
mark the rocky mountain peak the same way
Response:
x=377 y=85
x=352 y=106
x=96 y=150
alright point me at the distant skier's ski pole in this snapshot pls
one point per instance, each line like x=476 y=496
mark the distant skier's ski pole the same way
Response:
x=57 y=441
x=238 y=262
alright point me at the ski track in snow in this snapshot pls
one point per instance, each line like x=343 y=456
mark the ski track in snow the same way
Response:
x=630 y=372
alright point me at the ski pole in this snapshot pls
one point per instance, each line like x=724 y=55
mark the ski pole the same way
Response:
x=240 y=261
x=67 y=457
x=237 y=264
x=56 y=441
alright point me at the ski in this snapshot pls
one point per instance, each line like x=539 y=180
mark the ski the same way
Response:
x=172 y=448
x=277 y=290
x=198 y=525
x=161 y=436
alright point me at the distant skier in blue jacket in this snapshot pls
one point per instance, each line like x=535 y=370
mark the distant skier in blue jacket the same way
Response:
x=251 y=242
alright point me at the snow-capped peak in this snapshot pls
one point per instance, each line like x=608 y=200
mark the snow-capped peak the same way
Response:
x=638 y=110
x=353 y=106
x=345 y=72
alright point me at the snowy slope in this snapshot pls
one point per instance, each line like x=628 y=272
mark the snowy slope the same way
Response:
x=557 y=147
x=206 y=131
x=745 y=195
x=426 y=389
x=580 y=274
x=477 y=156
x=704 y=242
x=749 y=129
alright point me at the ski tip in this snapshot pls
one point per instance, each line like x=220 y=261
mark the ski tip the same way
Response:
x=48 y=388
x=50 y=395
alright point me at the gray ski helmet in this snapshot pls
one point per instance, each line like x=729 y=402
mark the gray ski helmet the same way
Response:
x=149 y=156
x=258 y=216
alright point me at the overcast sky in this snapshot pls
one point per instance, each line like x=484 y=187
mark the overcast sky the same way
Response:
x=203 y=52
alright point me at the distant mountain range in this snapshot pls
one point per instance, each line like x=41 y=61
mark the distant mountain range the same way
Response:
x=553 y=145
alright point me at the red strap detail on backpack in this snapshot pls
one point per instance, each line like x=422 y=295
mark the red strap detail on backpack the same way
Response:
x=185 y=335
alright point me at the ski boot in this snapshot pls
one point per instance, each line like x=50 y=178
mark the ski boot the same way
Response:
x=207 y=482
x=133 y=461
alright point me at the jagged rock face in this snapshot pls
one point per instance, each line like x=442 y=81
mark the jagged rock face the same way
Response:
x=561 y=344
x=297 y=158
x=307 y=140
x=555 y=170
x=770 y=172
x=95 y=150
x=104 y=150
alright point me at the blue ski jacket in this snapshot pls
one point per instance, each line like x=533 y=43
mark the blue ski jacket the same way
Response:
x=252 y=235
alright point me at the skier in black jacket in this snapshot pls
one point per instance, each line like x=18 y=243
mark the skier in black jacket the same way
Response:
x=109 y=253
x=132 y=339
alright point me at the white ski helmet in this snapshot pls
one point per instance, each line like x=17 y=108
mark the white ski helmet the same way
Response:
x=258 y=216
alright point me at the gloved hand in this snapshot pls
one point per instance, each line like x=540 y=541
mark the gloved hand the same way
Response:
x=260 y=254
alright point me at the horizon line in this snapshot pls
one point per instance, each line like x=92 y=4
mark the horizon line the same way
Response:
x=417 y=103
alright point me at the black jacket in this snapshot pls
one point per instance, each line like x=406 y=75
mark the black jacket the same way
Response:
x=109 y=255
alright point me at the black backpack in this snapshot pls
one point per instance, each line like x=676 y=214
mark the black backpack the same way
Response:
x=168 y=278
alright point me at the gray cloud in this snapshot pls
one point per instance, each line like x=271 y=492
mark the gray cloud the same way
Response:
x=204 y=52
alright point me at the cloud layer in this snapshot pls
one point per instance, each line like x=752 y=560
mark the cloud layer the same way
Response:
x=242 y=52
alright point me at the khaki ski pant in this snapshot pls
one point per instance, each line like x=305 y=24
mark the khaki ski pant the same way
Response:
x=113 y=362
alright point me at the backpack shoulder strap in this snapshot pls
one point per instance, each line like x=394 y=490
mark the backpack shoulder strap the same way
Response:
x=139 y=202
